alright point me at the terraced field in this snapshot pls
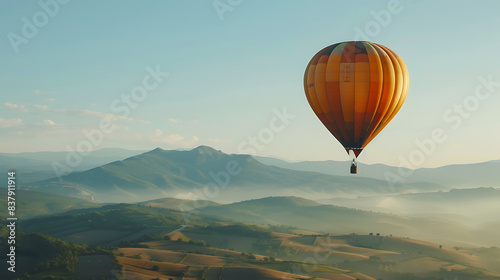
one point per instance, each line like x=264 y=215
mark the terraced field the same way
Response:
x=237 y=256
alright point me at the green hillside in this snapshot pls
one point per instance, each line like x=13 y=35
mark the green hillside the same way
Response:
x=31 y=204
x=159 y=242
x=309 y=215
x=45 y=257
x=482 y=204
x=110 y=224
x=29 y=170
x=178 y=204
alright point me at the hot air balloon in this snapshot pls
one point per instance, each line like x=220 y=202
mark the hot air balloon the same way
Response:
x=356 y=88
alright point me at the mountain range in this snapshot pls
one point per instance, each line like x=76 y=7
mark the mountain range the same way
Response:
x=36 y=166
x=484 y=174
x=206 y=173
x=115 y=169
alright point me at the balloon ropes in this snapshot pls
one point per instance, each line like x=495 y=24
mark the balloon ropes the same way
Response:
x=356 y=89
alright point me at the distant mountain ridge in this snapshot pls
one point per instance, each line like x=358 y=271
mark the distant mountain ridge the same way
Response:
x=484 y=174
x=160 y=173
x=37 y=166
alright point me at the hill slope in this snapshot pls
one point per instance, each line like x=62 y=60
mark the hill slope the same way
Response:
x=482 y=204
x=309 y=215
x=178 y=204
x=154 y=237
x=31 y=204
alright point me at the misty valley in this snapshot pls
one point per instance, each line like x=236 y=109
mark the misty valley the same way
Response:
x=204 y=214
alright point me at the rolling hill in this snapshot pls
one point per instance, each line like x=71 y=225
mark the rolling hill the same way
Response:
x=110 y=224
x=32 y=204
x=310 y=215
x=29 y=170
x=482 y=202
x=379 y=257
x=178 y=204
x=184 y=174
x=157 y=242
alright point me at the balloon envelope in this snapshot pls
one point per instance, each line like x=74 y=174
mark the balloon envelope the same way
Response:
x=355 y=89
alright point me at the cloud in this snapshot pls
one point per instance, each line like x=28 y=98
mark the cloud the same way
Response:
x=157 y=136
x=38 y=91
x=156 y=133
x=99 y=115
x=51 y=99
x=15 y=107
x=173 y=120
x=111 y=117
x=195 y=122
x=48 y=122
x=42 y=107
x=9 y=123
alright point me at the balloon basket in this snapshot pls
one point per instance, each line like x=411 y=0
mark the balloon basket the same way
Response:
x=354 y=168
x=354 y=163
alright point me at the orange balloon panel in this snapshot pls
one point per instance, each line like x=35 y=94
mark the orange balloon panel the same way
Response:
x=355 y=89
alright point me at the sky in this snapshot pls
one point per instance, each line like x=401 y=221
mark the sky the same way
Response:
x=86 y=75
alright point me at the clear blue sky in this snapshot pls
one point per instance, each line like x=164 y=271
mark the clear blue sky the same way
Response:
x=228 y=69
